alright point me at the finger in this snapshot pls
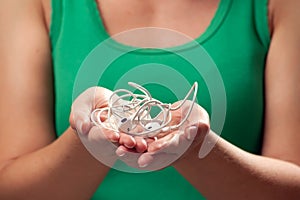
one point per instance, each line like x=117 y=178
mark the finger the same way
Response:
x=129 y=156
x=197 y=113
x=141 y=144
x=80 y=121
x=156 y=161
x=80 y=112
x=196 y=132
x=150 y=140
x=100 y=133
x=101 y=96
x=103 y=115
x=122 y=150
x=83 y=105
x=127 y=140
x=160 y=143
x=145 y=160
x=190 y=133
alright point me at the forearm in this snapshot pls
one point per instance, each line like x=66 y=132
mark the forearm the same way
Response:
x=61 y=170
x=231 y=173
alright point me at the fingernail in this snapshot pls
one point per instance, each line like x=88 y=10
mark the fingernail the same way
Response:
x=116 y=135
x=192 y=131
x=120 y=153
x=144 y=165
x=145 y=160
x=114 y=140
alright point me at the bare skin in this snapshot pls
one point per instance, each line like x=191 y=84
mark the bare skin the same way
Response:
x=36 y=166
x=33 y=165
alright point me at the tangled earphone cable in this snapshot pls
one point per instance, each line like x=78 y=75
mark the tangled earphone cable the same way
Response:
x=133 y=116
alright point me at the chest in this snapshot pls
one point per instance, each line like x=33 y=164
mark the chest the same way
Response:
x=190 y=17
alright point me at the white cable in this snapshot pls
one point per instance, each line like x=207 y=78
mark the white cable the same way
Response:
x=137 y=112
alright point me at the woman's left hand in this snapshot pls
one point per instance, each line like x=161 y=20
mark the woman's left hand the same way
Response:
x=172 y=145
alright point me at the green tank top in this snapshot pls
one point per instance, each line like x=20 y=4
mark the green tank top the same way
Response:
x=237 y=39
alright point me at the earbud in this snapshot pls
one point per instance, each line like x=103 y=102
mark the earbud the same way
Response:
x=152 y=126
x=125 y=125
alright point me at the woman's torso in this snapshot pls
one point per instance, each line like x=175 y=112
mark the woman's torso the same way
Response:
x=236 y=39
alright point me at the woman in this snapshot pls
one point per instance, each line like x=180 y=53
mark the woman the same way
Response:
x=35 y=165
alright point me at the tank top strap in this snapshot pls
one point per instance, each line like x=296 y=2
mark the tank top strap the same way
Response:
x=56 y=19
x=76 y=17
x=262 y=22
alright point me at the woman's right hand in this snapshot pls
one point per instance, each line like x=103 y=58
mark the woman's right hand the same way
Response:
x=102 y=143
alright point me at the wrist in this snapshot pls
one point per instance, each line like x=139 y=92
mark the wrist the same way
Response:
x=199 y=149
x=78 y=151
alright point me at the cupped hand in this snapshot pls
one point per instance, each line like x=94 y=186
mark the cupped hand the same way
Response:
x=172 y=145
x=102 y=143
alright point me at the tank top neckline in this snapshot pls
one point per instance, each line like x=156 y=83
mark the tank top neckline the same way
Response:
x=215 y=23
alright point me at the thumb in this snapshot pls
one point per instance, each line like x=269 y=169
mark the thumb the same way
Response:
x=81 y=110
x=80 y=122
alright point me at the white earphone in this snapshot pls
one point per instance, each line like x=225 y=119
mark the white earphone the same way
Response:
x=133 y=116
